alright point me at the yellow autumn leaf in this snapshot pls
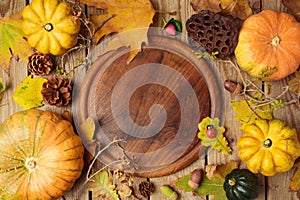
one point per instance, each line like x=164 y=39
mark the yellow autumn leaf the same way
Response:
x=123 y=16
x=247 y=114
x=12 y=42
x=28 y=93
x=87 y=131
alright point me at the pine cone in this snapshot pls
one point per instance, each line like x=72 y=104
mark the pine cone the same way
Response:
x=213 y=32
x=146 y=188
x=57 y=90
x=39 y=64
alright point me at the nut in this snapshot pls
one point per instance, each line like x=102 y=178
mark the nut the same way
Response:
x=195 y=179
x=233 y=87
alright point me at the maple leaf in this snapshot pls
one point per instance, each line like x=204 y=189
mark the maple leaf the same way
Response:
x=295 y=181
x=235 y=8
x=219 y=142
x=102 y=187
x=246 y=115
x=12 y=42
x=122 y=16
x=212 y=185
x=28 y=93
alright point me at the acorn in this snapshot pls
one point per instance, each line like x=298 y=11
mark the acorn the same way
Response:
x=195 y=179
x=173 y=26
x=168 y=192
x=233 y=87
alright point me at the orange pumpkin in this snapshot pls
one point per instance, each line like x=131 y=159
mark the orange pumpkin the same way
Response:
x=269 y=45
x=41 y=156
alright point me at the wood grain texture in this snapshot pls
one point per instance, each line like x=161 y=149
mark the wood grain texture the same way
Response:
x=157 y=155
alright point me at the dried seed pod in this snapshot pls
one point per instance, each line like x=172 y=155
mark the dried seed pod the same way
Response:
x=146 y=188
x=195 y=179
x=57 y=91
x=213 y=32
x=39 y=64
x=233 y=87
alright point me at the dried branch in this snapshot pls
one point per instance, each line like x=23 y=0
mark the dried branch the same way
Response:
x=265 y=99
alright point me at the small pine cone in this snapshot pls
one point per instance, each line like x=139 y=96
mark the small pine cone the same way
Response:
x=146 y=188
x=213 y=32
x=39 y=64
x=57 y=91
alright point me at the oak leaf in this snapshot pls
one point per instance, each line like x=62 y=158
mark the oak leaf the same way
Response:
x=28 y=93
x=295 y=182
x=12 y=42
x=122 y=16
x=219 y=142
x=102 y=187
x=209 y=185
x=235 y=8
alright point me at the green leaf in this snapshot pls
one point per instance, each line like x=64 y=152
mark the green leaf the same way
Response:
x=28 y=93
x=102 y=187
x=212 y=186
x=12 y=42
x=218 y=143
x=247 y=112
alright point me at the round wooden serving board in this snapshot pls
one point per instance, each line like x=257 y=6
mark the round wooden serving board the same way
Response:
x=154 y=103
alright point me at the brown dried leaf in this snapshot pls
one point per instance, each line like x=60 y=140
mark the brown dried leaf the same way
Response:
x=294 y=84
x=236 y=8
x=293 y=6
x=295 y=182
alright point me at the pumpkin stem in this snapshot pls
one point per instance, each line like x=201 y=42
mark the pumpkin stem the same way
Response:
x=48 y=27
x=232 y=181
x=267 y=143
x=275 y=41
x=31 y=164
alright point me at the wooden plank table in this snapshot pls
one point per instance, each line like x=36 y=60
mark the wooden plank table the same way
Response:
x=275 y=188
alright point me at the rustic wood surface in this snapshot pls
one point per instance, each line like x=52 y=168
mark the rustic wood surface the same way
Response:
x=275 y=188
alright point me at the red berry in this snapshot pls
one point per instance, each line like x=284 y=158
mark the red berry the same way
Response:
x=211 y=131
x=171 y=29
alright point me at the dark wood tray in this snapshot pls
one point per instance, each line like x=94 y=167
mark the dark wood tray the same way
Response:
x=120 y=97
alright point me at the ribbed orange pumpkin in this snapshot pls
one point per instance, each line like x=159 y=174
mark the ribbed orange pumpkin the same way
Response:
x=269 y=45
x=40 y=156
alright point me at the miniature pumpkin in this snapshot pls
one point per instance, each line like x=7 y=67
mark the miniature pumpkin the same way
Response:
x=41 y=156
x=50 y=26
x=241 y=184
x=268 y=147
x=269 y=45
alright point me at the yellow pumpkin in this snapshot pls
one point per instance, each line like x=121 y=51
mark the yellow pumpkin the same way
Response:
x=50 y=27
x=268 y=147
x=269 y=45
x=40 y=156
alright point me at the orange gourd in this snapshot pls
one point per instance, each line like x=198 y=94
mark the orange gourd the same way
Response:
x=269 y=45
x=41 y=156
